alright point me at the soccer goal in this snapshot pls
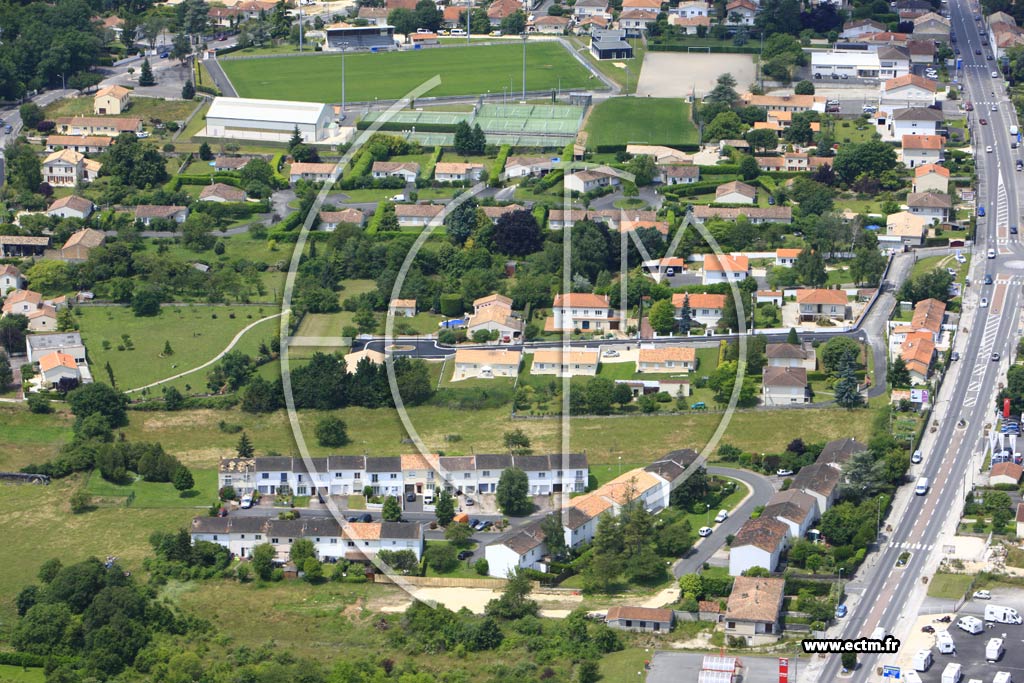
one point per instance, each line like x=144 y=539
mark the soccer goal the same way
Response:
x=706 y=48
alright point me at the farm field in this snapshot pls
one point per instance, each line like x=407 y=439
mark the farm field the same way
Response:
x=196 y=334
x=392 y=75
x=622 y=120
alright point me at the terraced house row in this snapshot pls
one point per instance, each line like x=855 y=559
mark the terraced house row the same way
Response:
x=339 y=475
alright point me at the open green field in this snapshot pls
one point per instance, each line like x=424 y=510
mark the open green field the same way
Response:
x=949 y=586
x=391 y=75
x=28 y=439
x=643 y=120
x=196 y=334
x=150 y=494
x=17 y=674
x=143 y=107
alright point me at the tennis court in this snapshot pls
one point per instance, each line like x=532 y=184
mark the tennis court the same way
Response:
x=559 y=120
x=448 y=139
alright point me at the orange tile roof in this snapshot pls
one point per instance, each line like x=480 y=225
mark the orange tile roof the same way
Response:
x=583 y=357
x=726 y=262
x=590 y=504
x=488 y=356
x=55 y=359
x=928 y=315
x=931 y=168
x=922 y=142
x=582 y=300
x=833 y=297
x=787 y=253
x=660 y=354
x=909 y=79
x=755 y=599
x=710 y=301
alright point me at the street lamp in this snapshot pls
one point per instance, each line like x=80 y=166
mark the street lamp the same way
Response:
x=524 y=65
x=343 y=46
x=708 y=506
x=620 y=465
x=878 y=519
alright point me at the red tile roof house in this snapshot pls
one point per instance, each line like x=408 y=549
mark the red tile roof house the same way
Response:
x=640 y=619
x=221 y=192
x=407 y=170
x=725 y=268
x=330 y=220
x=1005 y=473
x=786 y=257
x=754 y=607
x=705 y=309
x=759 y=543
x=147 y=212
x=822 y=303
x=413 y=215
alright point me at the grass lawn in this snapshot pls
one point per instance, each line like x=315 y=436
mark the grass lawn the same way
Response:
x=853 y=132
x=143 y=107
x=464 y=570
x=194 y=333
x=17 y=674
x=194 y=436
x=624 y=665
x=949 y=586
x=30 y=438
x=859 y=206
x=392 y=75
x=623 y=120
x=150 y=494
x=926 y=265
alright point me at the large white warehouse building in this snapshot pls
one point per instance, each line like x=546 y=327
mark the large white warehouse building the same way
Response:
x=272 y=120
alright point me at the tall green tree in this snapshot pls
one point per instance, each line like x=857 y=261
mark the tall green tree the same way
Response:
x=444 y=508
x=244 y=448
x=513 y=492
x=847 y=394
x=392 y=510
x=146 y=78
x=810 y=268
x=662 y=316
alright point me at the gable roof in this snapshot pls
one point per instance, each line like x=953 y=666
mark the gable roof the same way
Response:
x=764 y=532
x=582 y=300
x=57 y=359
x=570 y=357
x=755 y=599
x=488 y=356
x=726 y=263
x=917 y=114
x=926 y=169
x=774 y=376
x=660 y=354
x=86 y=237
x=73 y=202
x=821 y=297
x=840 y=451
x=797 y=351
x=639 y=614
x=930 y=200
x=801 y=499
x=818 y=477
x=500 y=9
x=928 y=315
x=706 y=301
x=909 y=79
x=157 y=211
x=737 y=187
x=301 y=168
x=1007 y=469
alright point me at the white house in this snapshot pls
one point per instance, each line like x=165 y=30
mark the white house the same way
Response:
x=755 y=214
x=451 y=172
x=909 y=91
x=725 y=268
x=269 y=120
x=783 y=386
x=678 y=175
x=931 y=178
x=10 y=278
x=791 y=356
x=933 y=206
x=495 y=318
x=754 y=608
x=591 y=179
x=740 y=13
x=56 y=367
x=22 y=302
x=735 y=192
x=785 y=258
x=521 y=549
x=71 y=206
x=486 y=363
x=572 y=363
x=796 y=509
x=848 y=63
x=591 y=8
x=919 y=150
x=689 y=9
x=705 y=309
x=658 y=358
x=517 y=167
x=759 y=543
x=416 y=215
x=145 y=213
x=861 y=27
x=822 y=303
x=330 y=220
x=69 y=343
x=582 y=311
x=68 y=168
x=406 y=170
x=913 y=121
x=317 y=173
x=403 y=308
x=893 y=61
x=821 y=482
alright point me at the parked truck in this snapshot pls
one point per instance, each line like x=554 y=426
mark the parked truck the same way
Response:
x=952 y=673
x=994 y=650
x=1002 y=615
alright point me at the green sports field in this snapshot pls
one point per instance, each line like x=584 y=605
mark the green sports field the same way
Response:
x=641 y=120
x=391 y=75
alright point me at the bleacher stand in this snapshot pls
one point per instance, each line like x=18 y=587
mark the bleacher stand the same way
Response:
x=359 y=38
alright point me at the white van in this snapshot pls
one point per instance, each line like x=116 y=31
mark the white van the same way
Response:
x=246 y=501
x=878 y=634
x=922 y=486
x=994 y=650
x=972 y=625
x=1003 y=615
x=922 y=660
x=1013 y=130
x=944 y=643
x=952 y=673
x=458 y=32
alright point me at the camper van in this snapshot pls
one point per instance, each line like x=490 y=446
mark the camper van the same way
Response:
x=1002 y=677
x=994 y=650
x=952 y=673
x=922 y=486
x=922 y=660
x=972 y=625
x=944 y=643
x=1003 y=615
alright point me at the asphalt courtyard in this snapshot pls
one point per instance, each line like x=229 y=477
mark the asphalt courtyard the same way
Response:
x=680 y=74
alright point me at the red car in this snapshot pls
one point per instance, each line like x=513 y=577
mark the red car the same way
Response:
x=983 y=122
x=969 y=107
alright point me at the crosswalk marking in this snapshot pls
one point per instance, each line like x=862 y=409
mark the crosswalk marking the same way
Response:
x=912 y=546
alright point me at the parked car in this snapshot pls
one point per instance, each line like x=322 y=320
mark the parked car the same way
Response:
x=916 y=457
x=465 y=554
x=246 y=501
x=352 y=519
x=954 y=356
x=366 y=517
x=474 y=523
x=7 y=128
x=1020 y=165
x=410 y=497
x=982 y=595
x=722 y=516
x=981 y=211
x=612 y=353
x=486 y=525
x=704 y=531
x=784 y=473
x=469 y=501
x=841 y=611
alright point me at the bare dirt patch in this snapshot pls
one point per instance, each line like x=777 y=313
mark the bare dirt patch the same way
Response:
x=679 y=74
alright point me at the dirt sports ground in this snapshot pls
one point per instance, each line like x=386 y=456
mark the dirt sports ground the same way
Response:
x=678 y=74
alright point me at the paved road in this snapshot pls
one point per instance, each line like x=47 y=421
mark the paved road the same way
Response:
x=761 y=490
x=922 y=524
x=220 y=78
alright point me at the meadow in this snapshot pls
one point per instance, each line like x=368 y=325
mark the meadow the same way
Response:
x=391 y=75
x=652 y=121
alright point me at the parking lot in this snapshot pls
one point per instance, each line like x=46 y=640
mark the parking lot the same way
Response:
x=970 y=649
x=672 y=667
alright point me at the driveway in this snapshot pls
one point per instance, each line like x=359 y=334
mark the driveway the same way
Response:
x=762 y=488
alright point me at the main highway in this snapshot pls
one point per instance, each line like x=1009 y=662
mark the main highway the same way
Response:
x=890 y=596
